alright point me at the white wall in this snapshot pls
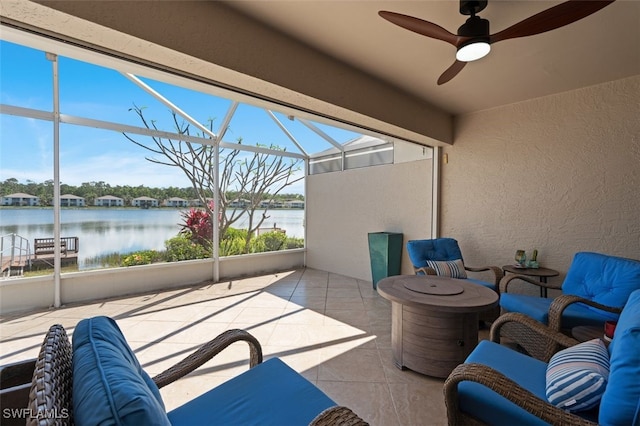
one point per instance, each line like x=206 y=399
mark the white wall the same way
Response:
x=559 y=173
x=343 y=207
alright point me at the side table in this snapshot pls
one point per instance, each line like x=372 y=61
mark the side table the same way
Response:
x=584 y=333
x=541 y=273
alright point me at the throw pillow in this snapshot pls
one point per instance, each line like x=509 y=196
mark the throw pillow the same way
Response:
x=448 y=268
x=577 y=376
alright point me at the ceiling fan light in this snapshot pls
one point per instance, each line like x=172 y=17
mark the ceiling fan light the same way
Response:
x=473 y=51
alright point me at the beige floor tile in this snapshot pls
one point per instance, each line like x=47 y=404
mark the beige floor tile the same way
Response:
x=334 y=330
x=317 y=303
x=351 y=303
x=371 y=401
x=417 y=404
x=303 y=316
x=356 y=365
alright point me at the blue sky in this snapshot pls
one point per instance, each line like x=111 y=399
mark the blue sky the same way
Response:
x=90 y=91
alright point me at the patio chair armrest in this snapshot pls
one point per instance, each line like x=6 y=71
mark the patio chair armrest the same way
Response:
x=563 y=301
x=497 y=272
x=208 y=351
x=425 y=270
x=507 y=279
x=507 y=388
x=338 y=415
x=530 y=326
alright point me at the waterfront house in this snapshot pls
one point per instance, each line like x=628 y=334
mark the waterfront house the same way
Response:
x=20 y=199
x=176 y=202
x=144 y=202
x=108 y=201
x=294 y=204
x=70 y=200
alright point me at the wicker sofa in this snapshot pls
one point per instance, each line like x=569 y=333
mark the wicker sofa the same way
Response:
x=99 y=381
x=499 y=385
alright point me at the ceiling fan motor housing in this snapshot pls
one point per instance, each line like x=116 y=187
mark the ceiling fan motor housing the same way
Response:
x=474 y=27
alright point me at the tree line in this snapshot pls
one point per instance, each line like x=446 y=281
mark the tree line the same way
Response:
x=91 y=190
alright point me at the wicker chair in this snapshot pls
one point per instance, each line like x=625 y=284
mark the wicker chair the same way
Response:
x=594 y=291
x=50 y=398
x=443 y=251
x=503 y=385
x=498 y=384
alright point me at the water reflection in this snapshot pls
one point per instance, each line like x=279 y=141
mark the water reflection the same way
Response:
x=104 y=231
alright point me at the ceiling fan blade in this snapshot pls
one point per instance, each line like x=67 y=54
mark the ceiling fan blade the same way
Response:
x=451 y=72
x=552 y=18
x=420 y=26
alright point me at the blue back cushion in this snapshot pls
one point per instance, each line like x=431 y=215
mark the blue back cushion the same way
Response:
x=438 y=249
x=620 y=403
x=109 y=385
x=605 y=279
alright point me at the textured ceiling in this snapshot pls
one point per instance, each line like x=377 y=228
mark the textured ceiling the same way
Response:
x=602 y=47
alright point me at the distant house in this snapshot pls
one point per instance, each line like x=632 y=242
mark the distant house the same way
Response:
x=70 y=200
x=294 y=204
x=271 y=204
x=20 y=199
x=144 y=202
x=196 y=202
x=239 y=203
x=109 y=201
x=176 y=202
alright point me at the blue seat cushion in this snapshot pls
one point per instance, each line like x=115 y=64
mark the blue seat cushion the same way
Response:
x=620 y=404
x=491 y=408
x=269 y=394
x=109 y=385
x=538 y=308
x=492 y=286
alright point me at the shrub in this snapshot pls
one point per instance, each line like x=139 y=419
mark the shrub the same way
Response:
x=269 y=241
x=182 y=247
x=143 y=257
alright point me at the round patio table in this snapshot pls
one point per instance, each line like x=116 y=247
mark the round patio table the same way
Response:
x=434 y=320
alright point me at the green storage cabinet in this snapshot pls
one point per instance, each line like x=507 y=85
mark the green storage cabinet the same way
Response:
x=385 y=251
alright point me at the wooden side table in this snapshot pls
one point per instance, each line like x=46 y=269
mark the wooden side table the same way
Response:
x=541 y=273
x=584 y=333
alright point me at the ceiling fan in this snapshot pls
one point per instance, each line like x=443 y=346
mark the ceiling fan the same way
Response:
x=473 y=40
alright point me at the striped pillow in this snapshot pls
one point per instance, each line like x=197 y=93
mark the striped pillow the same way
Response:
x=448 y=268
x=577 y=376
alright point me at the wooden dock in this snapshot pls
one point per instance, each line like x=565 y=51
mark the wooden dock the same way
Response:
x=42 y=256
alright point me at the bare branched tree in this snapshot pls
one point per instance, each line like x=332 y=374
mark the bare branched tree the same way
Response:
x=253 y=177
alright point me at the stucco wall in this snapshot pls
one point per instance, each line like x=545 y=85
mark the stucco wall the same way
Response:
x=559 y=173
x=343 y=207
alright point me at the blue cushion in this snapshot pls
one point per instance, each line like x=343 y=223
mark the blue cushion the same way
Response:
x=492 y=286
x=109 y=385
x=608 y=280
x=436 y=249
x=577 y=376
x=620 y=403
x=492 y=408
x=538 y=308
x=269 y=394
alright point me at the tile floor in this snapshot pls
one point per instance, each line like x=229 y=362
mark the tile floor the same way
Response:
x=333 y=329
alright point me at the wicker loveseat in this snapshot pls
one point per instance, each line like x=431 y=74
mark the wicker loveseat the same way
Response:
x=499 y=385
x=99 y=381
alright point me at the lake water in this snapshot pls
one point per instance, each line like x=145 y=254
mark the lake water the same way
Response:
x=120 y=230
